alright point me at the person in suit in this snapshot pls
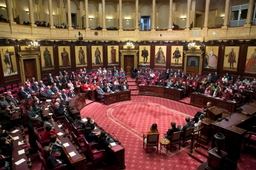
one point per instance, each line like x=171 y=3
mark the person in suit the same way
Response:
x=4 y=102
x=41 y=84
x=5 y=117
x=58 y=81
x=51 y=161
x=61 y=111
x=10 y=98
x=35 y=87
x=49 y=121
x=203 y=112
x=188 y=124
x=42 y=93
x=100 y=92
x=50 y=79
x=55 y=88
x=172 y=130
x=24 y=94
x=124 y=86
x=49 y=91
x=102 y=141
x=32 y=116
x=56 y=145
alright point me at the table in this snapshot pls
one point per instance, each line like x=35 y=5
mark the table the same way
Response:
x=76 y=104
x=165 y=143
x=161 y=91
x=117 y=96
x=79 y=160
x=200 y=100
x=16 y=147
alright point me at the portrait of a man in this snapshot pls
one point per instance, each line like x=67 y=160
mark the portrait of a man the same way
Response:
x=64 y=56
x=47 y=57
x=231 y=58
x=177 y=55
x=81 y=55
x=9 y=63
x=97 y=55
x=211 y=57
x=250 y=65
x=160 y=55
x=113 y=57
x=144 y=55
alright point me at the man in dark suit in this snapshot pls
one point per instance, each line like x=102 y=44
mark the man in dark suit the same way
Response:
x=24 y=94
x=124 y=86
x=61 y=111
x=50 y=79
x=10 y=98
x=188 y=124
x=35 y=86
x=42 y=93
x=32 y=116
x=41 y=84
x=172 y=130
x=55 y=88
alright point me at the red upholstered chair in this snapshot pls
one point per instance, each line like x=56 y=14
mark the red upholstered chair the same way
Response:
x=9 y=87
x=250 y=138
x=95 y=155
x=151 y=140
x=38 y=133
x=80 y=141
x=44 y=165
x=14 y=85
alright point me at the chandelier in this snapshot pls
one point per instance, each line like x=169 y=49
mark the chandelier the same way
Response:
x=129 y=45
x=32 y=45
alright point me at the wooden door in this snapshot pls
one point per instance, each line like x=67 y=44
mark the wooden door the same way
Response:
x=30 y=69
x=128 y=63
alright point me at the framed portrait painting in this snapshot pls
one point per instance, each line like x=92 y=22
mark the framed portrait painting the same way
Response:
x=250 y=64
x=160 y=55
x=97 y=55
x=64 y=56
x=9 y=62
x=144 y=55
x=81 y=55
x=177 y=55
x=113 y=57
x=231 y=58
x=47 y=61
x=211 y=57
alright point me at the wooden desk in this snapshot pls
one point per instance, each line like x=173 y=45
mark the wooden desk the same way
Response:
x=200 y=100
x=161 y=91
x=214 y=113
x=79 y=160
x=216 y=160
x=76 y=104
x=117 y=96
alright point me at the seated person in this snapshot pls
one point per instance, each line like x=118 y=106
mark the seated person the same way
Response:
x=33 y=116
x=152 y=82
x=124 y=86
x=100 y=92
x=42 y=93
x=177 y=85
x=61 y=111
x=198 y=114
x=172 y=130
x=49 y=122
x=88 y=128
x=161 y=83
x=143 y=82
x=6 y=146
x=5 y=117
x=56 y=145
x=24 y=94
x=47 y=133
x=55 y=88
x=225 y=95
x=71 y=94
x=198 y=124
x=169 y=84
x=102 y=141
x=51 y=161
x=200 y=89
x=49 y=91
x=3 y=102
x=188 y=124
x=4 y=161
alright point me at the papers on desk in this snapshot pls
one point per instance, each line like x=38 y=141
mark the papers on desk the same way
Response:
x=66 y=144
x=20 y=161
x=14 y=131
x=112 y=144
x=16 y=137
x=59 y=126
x=21 y=151
x=72 y=153
x=95 y=128
x=60 y=134
x=50 y=114
x=20 y=142
x=17 y=108
x=46 y=109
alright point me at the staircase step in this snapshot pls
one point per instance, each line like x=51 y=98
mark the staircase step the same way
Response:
x=133 y=87
x=134 y=92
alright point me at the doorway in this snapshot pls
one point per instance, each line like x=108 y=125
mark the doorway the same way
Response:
x=30 y=69
x=73 y=20
x=128 y=64
x=145 y=23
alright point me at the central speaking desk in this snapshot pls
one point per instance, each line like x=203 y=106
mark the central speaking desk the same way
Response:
x=200 y=100
x=117 y=96
x=161 y=91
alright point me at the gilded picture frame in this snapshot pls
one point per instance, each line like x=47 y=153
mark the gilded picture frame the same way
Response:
x=160 y=55
x=211 y=57
x=231 y=56
x=113 y=55
x=9 y=62
x=250 y=64
x=144 y=55
x=177 y=56
x=97 y=58
x=64 y=56
x=47 y=61
x=81 y=56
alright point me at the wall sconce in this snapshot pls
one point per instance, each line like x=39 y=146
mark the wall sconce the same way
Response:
x=127 y=19
x=183 y=17
x=109 y=19
x=32 y=45
x=2 y=7
x=90 y=17
x=27 y=12
x=222 y=16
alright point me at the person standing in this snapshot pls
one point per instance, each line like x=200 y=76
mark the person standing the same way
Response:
x=176 y=55
x=47 y=58
x=65 y=59
x=231 y=58
x=113 y=55
x=97 y=56
x=144 y=54
x=81 y=56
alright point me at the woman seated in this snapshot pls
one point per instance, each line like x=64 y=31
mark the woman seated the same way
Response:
x=47 y=133
x=153 y=130
x=225 y=95
x=70 y=85
x=143 y=82
x=56 y=146
x=198 y=124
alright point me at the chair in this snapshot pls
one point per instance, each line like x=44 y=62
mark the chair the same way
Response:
x=44 y=165
x=187 y=135
x=250 y=138
x=151 y=140
x=175 y=139
x=38 y=133
x=80 y=141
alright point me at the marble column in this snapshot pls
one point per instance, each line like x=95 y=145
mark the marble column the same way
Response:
x=103 y=15
x=69 y=15
x=31 y=13
x=170 y=15
x=136 y=14
x=206 y=16
x=188 y=14
x=225 y=23
x=50 y=14
x=249 y=14
x=120 y=15
x=86 y=15
x=153 y=15
x=9 y=11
